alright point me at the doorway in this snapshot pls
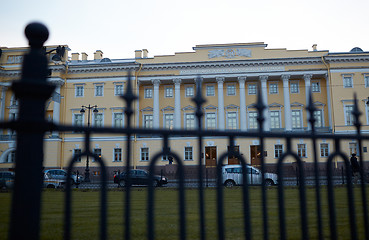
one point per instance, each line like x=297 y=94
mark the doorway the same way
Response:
x=210 y=156
x=232 y=159
x=255 y=155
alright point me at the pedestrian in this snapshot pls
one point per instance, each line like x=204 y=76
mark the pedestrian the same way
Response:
x=170 y=158
x=355 y=167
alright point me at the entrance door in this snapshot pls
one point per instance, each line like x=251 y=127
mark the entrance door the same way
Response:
x=255 y=155
x=231 y=158
x=210 y=156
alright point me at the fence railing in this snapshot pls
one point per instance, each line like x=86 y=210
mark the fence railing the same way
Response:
x=33 y=90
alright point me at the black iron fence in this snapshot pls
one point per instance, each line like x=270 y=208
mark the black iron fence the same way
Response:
x=33 y=90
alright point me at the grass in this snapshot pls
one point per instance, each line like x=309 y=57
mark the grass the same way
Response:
x=86 y=214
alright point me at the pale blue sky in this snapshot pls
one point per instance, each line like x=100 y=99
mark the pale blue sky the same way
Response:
x=119 y=27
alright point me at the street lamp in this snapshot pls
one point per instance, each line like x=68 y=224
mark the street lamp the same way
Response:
x=83 y=110
x=57 y=58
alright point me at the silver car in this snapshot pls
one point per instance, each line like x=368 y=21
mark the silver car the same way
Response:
x=60 y=174
x=232 y=175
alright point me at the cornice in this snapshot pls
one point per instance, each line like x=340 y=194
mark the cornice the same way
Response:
x=355 y=58
x=96 y=68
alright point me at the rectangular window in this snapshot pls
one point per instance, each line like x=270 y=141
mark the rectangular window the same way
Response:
x=231 y=89
x=190 y=121
x=278 y=150
x=252 y=89
x=78 y=119
x=275 y=119
x=168 y=121
x=99 y=90
x=347 y=82
x=168 y=92
x=315 y=86
x=148 y=92
x=318 y=115
x=296 y=119
x=188 y=154
x=77 y=151
x=148 y=121
x=273 y=88
x=79 y=90
x=324 y=151
x=294 y=87
x=189 y=91
x=145 y=154
x=253 y=123
x=118 y=120
x=117 y=155
x=301 y=150
x=98 y=119
x=118 y=89
x=366 y=80
x=349 y=118
x=165 y=157
x=210 y=90
x=353 y=148
x=97 y=151
x=232 y=120
x=211 y=122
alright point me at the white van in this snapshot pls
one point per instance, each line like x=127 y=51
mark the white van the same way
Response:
x=232 y=176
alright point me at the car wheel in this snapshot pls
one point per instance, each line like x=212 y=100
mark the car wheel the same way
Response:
x=269 y=182
x=50 y=186
x=229 y=183
x=122 y=183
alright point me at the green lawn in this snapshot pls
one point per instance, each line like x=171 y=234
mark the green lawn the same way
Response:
x=86 y=215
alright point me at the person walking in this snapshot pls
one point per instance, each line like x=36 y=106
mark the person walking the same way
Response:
x=355 y=167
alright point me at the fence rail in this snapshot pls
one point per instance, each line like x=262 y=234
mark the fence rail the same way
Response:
x=33 y=90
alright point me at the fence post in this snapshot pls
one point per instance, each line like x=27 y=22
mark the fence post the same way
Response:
x=343 y=175
x=32 y=91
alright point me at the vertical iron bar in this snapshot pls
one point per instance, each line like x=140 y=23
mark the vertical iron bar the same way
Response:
x=332 y=211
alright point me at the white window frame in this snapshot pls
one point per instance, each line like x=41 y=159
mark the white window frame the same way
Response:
x=252 y=117
x=77 y=151
x=165 y=121
x=292 y=88
x=144 y=155
x=210 y=90
x=300 y=116
x=273 y=86
x=168 y=91
x=324 y=152
x=119 y=154
x=189 y=91
x=348 y=80
x=280 y=151
x=279 y=118
x=118 y=89
x=144 y=121
x=114 y=119
x=231 y=89
x=77 y=92
x=192 y=120
x=74 y=119
x=315 y=86
x=366 y=80
x=213 y=119
x=100 y=113
x=301 y=152
x=322 y=118
x=349 y=117
x=188 y=150
x=98 y=86
x=236 y=118
x=252 y=88
x=97 y=150
x=148 y=92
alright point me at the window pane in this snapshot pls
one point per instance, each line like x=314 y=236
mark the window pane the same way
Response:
x=232 y=120
x=189 y=92
x=148 y=121
x=168 y=121
x=294 y=87
x=318 y=115
x=274 y=119
x=119 y=89
x=253 y=124
x=252 y=88
x=190 y=121
x=231 y=89
x=210 y=121
x=296 y=119
x=118 y=119
x=210 y=90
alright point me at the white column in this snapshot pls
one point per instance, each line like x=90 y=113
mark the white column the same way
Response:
x=287 y=103
x=58 y=82
x=241 y=81
x=137 y=104
x=220 y=81
x=329 y=101
x=177 y=103
x=307 y=78
x=264 y=94
x=2 y=109
x=156 y=121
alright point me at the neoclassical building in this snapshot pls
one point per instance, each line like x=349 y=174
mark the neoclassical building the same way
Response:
x=230 y=76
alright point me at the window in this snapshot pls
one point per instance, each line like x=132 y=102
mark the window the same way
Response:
x=324 y=150
x=190 y=121
x=117 y=155
x=349 y=118
x=318 y=115
x=79 y=90
x=78 y=119
x=231 y=89
x=147 y=121
x=353 y=148
x=301 y=150
x=366 y=80
x=118 y=120
x=144 y=154
x=296 y=119
x=253 y=123
x=347 y=82
x=210 y=90
x=97 y=151
x=315 y=86
x=99 y=90
x=189 y=91
x=294 y=87
x=77 y=151
x=168 y=92
x=165 y=157
x=275 y=119
x=98 y=120
x=252 y=89
x=273 y=88
x=232 y=120
x=211 y=122
x=148 y=92
x=168 y=121
x=118 y=89
x=188 y=154
x=278 y=150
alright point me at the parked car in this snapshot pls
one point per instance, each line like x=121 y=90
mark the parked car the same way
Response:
x=60 y=174
x=54 y=183
x=139 y=177
x=6 y=179
x=232 y=175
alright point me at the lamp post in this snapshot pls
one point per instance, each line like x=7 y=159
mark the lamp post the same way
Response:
x=83 y=110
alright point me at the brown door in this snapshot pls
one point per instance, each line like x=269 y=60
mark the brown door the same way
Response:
x=210 y=156
x=231 y=158
x=255 y=155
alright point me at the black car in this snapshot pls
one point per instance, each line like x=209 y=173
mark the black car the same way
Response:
x=139 y=177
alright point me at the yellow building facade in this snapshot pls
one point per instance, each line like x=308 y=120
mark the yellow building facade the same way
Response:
x=230 y=76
